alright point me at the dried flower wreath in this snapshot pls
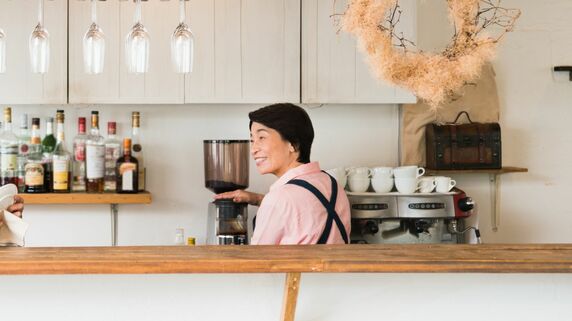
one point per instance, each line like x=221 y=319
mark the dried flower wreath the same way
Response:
x=433 y=77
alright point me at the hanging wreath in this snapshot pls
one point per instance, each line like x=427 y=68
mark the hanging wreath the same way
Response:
x=433 y=77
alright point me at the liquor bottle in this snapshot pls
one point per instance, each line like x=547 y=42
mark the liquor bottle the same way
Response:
x=127 y=170
x=34 y=179
x=78 y=182
x=112 y=153
x=61 y=159
x=48 y=145
x=137 y=149
x=94 y=157
x=8 y=151
x=23 y=149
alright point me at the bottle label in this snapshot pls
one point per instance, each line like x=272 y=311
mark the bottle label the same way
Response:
x=79 y=152
x=127 y=172
x=95 y=161
x=34 y=174
x=61 y=174
x=9 y=162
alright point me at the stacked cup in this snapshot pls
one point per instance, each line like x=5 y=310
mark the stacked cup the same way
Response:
x=407 y=178
x=340 y=174
x=382 y=179
x=359 y=179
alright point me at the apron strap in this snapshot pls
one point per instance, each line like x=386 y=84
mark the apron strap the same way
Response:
x=330 y=207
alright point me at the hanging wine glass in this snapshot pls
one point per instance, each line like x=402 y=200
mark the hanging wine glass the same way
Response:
x=137 y=45
x=40 y=44
x=94 y=45
x=2 y=51
x=182 y=44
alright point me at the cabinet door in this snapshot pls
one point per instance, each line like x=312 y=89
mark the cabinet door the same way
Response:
x=246 y=51
x=18 y=85
x=334 y=70
x=115 y=85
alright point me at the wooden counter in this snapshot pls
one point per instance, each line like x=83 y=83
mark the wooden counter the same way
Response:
x=486 y=258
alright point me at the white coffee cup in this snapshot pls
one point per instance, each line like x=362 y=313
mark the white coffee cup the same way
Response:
x=427 y=184
x=358 y=184
x=406 y=185
x=408 y=172
x=340 y=174
x=363 y=172
x=444 y=184
x=383 y=172
x=382 y=184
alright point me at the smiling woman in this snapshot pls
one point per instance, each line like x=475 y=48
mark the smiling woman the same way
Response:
x=305 y=205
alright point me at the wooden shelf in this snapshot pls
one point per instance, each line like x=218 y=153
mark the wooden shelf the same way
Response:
x=84 y=198
x=504 y=170
x=411 y=258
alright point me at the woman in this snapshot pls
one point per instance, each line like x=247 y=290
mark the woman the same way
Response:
x=12 y=228
x=305 y=205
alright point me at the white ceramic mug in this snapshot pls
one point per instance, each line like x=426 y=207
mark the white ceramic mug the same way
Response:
x=382 y=184
x=427 y=184
x=383 y=172
x=340 y=174
x=406 y=185
x=408 y=172
x=363 y=172
x=444 y=184
x=358 y=184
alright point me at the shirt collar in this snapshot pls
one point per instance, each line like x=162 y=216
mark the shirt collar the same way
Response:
x=304 y=169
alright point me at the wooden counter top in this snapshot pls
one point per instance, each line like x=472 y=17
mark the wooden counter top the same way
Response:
x=489 y=258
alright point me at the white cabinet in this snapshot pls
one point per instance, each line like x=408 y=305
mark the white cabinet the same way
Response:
x=18 y=85
x=115 y=85
x=245 y=51
x=333 y=69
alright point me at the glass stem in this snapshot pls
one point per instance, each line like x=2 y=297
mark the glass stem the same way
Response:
x=138 y=11
x=181 y=11
x=93 y=11
x=41 y=12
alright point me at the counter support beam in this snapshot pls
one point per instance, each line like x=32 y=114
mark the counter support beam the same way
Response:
x=290 y=296
x=114 y=215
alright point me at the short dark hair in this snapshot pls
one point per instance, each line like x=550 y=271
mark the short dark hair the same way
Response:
x=293 y=124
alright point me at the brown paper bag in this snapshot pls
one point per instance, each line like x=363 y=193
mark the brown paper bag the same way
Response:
x=480 y=100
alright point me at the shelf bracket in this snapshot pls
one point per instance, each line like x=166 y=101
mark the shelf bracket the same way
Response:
x=114 y=215
x=495 y=201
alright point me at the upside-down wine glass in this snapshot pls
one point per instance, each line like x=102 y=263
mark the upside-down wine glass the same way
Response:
x=2 y=51
x=137 y=45
x=94 y=45
x=40 y=44
x=182 y=44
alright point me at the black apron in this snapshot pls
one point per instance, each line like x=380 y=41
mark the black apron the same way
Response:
x=329 y=205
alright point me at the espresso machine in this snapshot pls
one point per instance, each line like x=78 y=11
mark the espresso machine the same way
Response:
x=226 y=169
x=411 y=218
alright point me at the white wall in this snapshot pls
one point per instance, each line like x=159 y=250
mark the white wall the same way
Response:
x=535 y=121
x=258 y=297
x=535 y=117
x=173 y=135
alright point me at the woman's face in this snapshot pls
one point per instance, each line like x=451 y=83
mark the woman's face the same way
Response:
x=271 y=153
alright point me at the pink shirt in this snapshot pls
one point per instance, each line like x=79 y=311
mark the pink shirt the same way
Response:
x=290 y=214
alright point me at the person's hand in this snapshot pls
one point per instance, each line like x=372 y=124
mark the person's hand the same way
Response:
x=18 y=207
x=241 y=196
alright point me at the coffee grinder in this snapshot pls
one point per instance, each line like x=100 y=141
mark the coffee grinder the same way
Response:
x=226 y=169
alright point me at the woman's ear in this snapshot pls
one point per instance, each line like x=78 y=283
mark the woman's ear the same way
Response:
x=291 y=148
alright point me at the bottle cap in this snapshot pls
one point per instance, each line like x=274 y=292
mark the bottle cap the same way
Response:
x=111 y=128
x=190 y=240
x=36 y=122
x=24 y=121
x=127 y=144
